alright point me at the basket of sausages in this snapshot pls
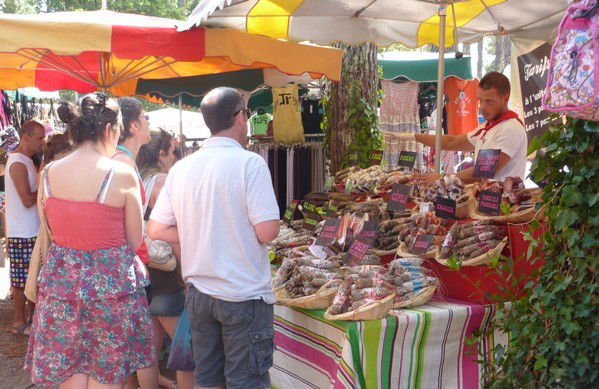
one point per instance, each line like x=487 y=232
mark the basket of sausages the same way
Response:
x=517 y=202
x=472 y=244
x=420 y=225
x=307 y=282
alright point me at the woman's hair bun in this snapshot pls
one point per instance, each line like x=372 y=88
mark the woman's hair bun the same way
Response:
x=68 y=113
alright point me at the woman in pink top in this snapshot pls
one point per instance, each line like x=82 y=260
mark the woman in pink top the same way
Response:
x=92 y=326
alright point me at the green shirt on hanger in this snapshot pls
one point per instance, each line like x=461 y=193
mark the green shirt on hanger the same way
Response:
x=259 y=123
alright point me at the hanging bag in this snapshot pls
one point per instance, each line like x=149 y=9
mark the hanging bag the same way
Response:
x=573 y=81
x=161 y=253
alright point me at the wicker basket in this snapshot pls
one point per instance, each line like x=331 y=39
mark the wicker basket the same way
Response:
x=319 y=300
x=484 y=259
x=403 y=252
x=371 y=311
x=463 y=209
x=381 y=253
x=422 y=297
x=525 y=216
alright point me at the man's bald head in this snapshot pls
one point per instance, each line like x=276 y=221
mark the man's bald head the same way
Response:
x=219 y=108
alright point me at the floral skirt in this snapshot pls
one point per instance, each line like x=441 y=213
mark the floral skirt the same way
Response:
x=92 y=317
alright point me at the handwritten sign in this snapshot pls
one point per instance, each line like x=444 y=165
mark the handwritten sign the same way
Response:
x=445 y=208
x=332 y=209
x=290 y=211
x=328 y=234
x=423 y=242
x=353 y=158
x=311 y=220
x=407 y=159
x=376 y=157
x=361 y=244
x=489 y=202
x=486 y=163
x=308 y=207
x=398 y=199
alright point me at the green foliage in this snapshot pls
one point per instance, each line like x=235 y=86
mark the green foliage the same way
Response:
x=362 y=117
x=174 y=9
x=554 y=328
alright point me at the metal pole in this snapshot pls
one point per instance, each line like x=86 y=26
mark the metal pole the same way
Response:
x=181 y=125
x=440 y=86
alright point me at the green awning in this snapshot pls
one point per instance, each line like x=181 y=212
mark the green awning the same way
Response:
x=425 y=70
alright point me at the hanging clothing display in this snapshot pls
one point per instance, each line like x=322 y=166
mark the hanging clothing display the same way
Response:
x=296 y=170
x=462 y=105
x=399 y=113
x=311 y=116
x=287 y=120
x=259 y=123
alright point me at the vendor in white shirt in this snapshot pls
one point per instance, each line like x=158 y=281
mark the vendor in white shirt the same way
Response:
x=503 y=130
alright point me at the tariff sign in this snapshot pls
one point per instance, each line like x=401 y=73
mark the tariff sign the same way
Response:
x=445 y=208
x=308 y=207
x=362 y=244
x=489 y=202
x=398 y=199
x=407 y=159
x=423 y=242
x=328 y=234
x=486 y=163
x=376 y=157
x=290 y=211
x=311 y=220
x=332 y=209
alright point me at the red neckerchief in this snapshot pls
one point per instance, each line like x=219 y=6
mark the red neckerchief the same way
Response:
x=507 y=115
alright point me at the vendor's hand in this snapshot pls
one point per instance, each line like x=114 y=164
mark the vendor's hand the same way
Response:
x=400 y=136
x=425 y=179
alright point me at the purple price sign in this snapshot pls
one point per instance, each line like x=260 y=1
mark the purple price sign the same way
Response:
x=486 y=163
x=398 y=200
x=328 y=234
x=489 y=203
x=445 y=208
x=422 y=243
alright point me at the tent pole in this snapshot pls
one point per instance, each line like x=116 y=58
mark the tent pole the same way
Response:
x=440 y=86
x=181 y=124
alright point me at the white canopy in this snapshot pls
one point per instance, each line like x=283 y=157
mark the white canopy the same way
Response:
x=168 y=119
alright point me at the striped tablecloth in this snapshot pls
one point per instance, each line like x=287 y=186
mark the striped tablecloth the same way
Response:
x=424 y=347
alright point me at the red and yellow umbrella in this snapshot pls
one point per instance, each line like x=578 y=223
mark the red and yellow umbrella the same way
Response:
x=105 y=50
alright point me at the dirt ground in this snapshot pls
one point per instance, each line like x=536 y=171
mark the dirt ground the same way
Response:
x=12 y=347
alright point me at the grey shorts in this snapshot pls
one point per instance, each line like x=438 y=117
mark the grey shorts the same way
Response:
x=232 y=343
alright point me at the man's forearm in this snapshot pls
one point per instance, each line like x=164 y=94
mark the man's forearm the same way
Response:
x=447 y=141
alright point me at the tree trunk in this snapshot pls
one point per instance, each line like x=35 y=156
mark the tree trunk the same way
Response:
x=479 y=55
x=359 y=69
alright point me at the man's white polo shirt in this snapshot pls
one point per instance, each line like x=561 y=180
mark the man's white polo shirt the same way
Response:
x=215 y=197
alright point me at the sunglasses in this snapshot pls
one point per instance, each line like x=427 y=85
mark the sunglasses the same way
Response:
x=147 y=117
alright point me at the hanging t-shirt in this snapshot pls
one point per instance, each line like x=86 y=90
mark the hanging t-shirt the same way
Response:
x=259 y=123
x=287 y=120
x=311 y=116
x=462 y=105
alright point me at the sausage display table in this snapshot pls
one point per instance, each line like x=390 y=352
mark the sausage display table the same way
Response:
x=423 y=347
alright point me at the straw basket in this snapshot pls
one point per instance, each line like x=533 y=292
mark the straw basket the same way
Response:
x=422 y=297
x=484 y=259
x=525 y=216
x=319 y=300
x=402 y=251
x=382 y=253
x=462 y=210
x=371 y=311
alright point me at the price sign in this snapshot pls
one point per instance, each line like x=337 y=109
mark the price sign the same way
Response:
x=445 y=208
x=311 y=220
x=398 y=199
x=328 y=234
x=290 y=211
x=361 y=244
x=407 y=159
x=489 y=202
x=309 y=207
x=423 y=242
x=353 y=158
x=332 y=209
x=486 y=163
x=376 y=157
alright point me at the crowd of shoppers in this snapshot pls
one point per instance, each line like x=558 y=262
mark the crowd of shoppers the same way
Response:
x=111 y=287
